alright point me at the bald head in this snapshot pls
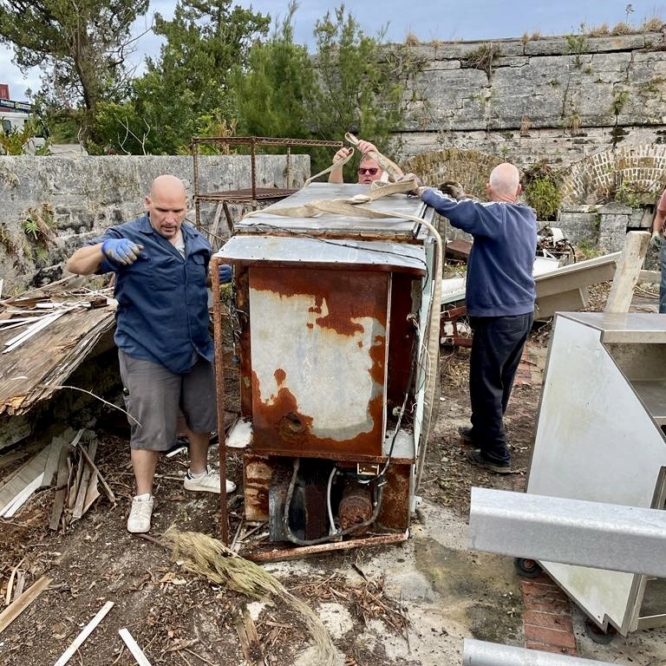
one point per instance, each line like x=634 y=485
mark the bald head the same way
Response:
x=167 y=184
x=504 y=184
x=167 y=205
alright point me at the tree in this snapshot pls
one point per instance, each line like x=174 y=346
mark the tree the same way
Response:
x=274 y=92
x=187 y=84
x=353 y=83
x=81 y=45
x=360 y=90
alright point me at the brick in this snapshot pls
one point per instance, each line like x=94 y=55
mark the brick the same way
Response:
x=542 y=581
x=560 y=639
x=558 y=621
x=543 y=647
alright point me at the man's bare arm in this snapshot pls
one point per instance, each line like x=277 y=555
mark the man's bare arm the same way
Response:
x=86 y=260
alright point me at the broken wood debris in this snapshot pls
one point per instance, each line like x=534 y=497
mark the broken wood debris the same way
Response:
x=87 y=630
x=76 y=487
x=22 y=602
x=70 y=459
x=249 y=638
x=57 y=330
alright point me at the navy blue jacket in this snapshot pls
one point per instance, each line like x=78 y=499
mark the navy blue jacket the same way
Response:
x=500 y=279
x=162 y=297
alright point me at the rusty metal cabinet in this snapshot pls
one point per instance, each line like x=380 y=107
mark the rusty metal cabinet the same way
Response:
x=330 y=314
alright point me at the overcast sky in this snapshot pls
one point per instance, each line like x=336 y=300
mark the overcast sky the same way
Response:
x=427 y=19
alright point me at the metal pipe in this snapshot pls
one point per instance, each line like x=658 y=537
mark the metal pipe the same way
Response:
x=568 y=531
x=218 y=334
x=283 y=554
x=480 y=653
x=331 y=520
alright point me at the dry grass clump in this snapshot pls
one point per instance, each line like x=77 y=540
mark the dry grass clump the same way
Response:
x=623 y=28
x=412 y=40
x=599 y=31
x=207 y=557
x=653 y=24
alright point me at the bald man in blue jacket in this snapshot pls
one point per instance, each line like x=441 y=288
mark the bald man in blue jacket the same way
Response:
x=500 y=297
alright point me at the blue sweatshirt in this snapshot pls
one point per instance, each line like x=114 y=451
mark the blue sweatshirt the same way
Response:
x=500 y=279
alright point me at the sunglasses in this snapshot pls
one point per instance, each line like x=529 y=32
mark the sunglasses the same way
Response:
x=372 y=171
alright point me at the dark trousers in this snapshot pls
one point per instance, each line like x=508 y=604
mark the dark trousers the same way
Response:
x=497 y=345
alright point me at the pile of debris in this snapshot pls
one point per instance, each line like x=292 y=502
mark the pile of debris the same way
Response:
x=69 y=462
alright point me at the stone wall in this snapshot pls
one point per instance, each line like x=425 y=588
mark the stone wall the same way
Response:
x=557 y=99
x=51 y=205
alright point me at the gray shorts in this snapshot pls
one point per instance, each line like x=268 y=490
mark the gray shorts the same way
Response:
x=154 y=396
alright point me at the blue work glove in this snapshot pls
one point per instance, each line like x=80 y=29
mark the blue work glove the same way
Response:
x=224 y=273
x=121 y=250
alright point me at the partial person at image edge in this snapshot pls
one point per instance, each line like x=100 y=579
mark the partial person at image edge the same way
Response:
x=658 y=227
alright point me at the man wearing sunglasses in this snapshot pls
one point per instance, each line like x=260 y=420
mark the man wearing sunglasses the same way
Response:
x=368 y=170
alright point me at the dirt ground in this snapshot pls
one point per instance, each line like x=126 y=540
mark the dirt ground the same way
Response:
x=179 y=618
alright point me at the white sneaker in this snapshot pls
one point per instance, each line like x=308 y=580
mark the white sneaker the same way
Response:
x=208 y=483
x=140 y=514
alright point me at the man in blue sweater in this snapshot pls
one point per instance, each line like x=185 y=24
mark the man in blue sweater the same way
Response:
x=500 y=298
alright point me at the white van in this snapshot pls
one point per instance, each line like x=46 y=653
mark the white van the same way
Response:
x=15 y=120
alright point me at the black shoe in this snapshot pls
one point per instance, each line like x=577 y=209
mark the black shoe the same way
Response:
x=477 y=458
x=466 y=435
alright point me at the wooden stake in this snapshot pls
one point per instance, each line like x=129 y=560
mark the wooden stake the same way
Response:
x=249 y=639
x=85 y=480
x=21 y=603
x=93 y=467
x=132 y=646
x=87 y=630
x=627 y=272
x=61 y=488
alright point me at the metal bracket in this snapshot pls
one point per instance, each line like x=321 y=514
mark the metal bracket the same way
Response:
x=554 y=529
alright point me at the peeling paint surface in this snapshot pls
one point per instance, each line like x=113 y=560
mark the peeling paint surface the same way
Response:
x=319 y=349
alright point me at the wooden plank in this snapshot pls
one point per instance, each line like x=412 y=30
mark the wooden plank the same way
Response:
x=85 y=480
x=628 y=271
x=132 y=646
x=87 y=630
x=51 y=469
x=249 y=639
x=105 y=485
x=23 y=477
x=61 y=488
x=10 y=510
x=21 y=603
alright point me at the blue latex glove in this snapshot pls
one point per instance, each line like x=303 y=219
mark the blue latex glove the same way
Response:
x=121 y=250
x=224 y=273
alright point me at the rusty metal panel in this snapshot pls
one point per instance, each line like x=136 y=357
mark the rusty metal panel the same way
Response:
x=376 y=255
x=257 y=475
x=394 y=513
x=319 y=360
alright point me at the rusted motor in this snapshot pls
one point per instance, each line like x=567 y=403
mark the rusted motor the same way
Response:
x=355 y=506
